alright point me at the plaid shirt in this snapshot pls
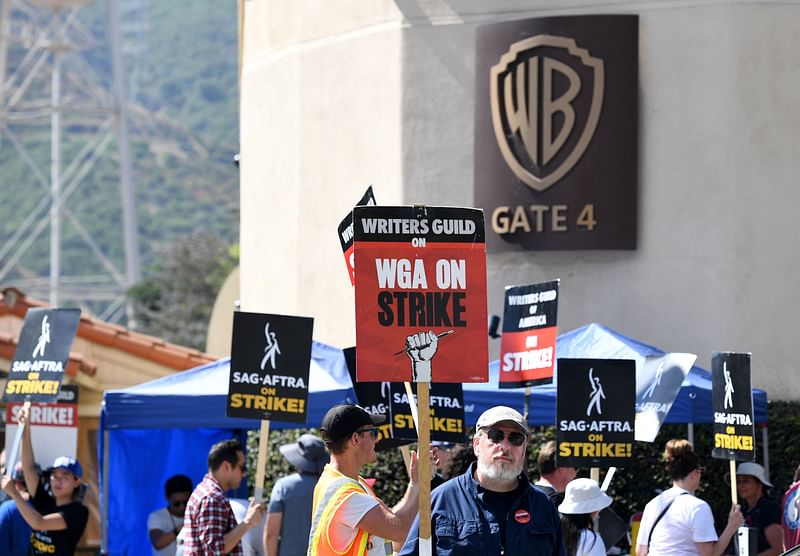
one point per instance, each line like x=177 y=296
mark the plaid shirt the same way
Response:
x=208 y=518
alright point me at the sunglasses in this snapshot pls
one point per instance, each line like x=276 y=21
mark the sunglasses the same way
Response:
x=373 y=430
x=514 y=438
x=702 y=470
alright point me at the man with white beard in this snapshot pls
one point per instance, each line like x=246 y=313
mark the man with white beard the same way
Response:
x=492 y=508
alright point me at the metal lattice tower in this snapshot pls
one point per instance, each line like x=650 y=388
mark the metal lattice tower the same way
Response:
x=47 y=83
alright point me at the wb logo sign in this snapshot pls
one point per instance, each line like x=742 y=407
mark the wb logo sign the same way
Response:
x=546 y=99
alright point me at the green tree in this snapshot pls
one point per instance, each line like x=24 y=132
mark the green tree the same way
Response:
x=175 y=302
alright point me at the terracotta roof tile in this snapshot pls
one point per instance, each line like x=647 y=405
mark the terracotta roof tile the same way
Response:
x=13 y=301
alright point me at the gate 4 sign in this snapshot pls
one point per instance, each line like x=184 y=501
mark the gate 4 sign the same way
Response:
x=42 y=354
x=595 y=412
x=732 y=399
x=528 y=347
x=420 y=294
x=270 y=358
x=556 y=132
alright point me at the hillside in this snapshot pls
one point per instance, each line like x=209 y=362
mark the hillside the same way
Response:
x=181 y=70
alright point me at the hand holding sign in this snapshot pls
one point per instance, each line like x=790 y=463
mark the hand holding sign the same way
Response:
x=413 y=470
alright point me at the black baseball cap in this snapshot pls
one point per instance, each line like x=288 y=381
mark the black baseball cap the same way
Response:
x=344 y=419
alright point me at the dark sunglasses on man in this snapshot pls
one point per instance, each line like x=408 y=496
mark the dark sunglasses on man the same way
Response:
x=515 y=438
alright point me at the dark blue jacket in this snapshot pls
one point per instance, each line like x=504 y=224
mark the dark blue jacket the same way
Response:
x=462 y=524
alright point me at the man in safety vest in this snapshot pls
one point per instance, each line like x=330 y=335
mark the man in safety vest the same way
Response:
x=348 y=519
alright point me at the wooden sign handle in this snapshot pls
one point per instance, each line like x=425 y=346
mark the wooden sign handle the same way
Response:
x=734 y=494
x=261 y=464
x=424 y=461
x=11 y=462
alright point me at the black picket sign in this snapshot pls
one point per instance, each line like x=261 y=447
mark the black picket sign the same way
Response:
x=42 y=354
x=270 y=358
x=732 y=400
x=595 y=412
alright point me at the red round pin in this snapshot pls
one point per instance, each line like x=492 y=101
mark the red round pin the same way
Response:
x=522 y=516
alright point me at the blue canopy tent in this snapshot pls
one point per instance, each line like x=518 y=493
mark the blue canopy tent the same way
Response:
x=154 y=430
x=692 y=405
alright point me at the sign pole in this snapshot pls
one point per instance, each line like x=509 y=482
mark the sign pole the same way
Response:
x=732 y=402
x=11 y=462
x=263 y=441
x=607 y=479
x=411 y=405
x=424 y=463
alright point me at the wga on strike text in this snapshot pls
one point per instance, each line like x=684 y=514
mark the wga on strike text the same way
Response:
x=416 y=308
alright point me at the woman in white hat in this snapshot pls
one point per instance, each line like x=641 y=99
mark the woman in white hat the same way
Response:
x=583 y=500
x=760 y=511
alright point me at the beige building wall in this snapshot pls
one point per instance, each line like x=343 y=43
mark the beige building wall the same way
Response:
x=220 y=325
x=340 y=95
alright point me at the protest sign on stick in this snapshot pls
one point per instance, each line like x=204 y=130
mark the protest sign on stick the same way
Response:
x=270 y=358
x=54 y=426
x=40 y=362
x=446 y=411
x=732 y=401
x=346 y=234
x=420 y=307
x=658 y=382
x=420 y=294
x=528 y=344
x=595 y=412
x=41 y=357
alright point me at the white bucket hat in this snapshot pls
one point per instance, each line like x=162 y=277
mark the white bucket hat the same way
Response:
x=754 y=470
x=583 y=496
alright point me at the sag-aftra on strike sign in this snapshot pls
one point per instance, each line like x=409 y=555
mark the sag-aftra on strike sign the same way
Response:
x=420 y=294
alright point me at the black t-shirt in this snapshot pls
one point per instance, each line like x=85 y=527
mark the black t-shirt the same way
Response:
x=500 y=503
x=762 y=515
x=57 y=543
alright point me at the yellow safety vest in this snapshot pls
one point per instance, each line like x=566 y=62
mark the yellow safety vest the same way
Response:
x=332 y=490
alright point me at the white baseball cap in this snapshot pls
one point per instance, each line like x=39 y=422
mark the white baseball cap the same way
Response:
x=498 y=414
x=583 y=496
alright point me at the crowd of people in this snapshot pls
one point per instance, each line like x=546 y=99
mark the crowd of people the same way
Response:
x=483 y=502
